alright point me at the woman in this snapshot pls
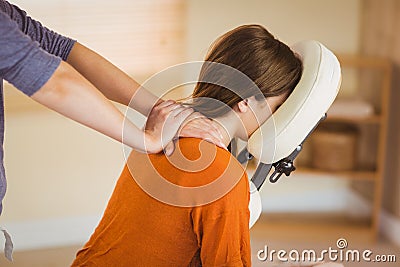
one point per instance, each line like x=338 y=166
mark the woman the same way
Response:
x=192 y=209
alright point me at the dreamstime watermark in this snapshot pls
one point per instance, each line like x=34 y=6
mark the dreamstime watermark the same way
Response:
x=340 y=253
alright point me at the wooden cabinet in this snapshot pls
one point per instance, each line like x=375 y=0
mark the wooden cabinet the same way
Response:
x=367 y=79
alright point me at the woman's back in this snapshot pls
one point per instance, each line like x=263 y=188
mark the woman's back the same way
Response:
x=185 y=210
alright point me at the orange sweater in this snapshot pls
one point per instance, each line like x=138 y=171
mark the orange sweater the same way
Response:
x=147 y=225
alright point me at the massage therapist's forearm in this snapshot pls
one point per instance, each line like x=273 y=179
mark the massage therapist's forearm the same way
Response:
x=70 y=94
x=110 y=80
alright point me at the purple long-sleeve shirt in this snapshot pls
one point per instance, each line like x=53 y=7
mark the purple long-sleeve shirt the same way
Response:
x=29 y=55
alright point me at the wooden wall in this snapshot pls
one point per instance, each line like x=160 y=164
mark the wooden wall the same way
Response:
x=380 y=37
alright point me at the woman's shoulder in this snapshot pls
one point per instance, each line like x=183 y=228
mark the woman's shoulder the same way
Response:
x=196 y=149
x=206 y=157
x=194 y=162
x=217 y=172
x=197 y=172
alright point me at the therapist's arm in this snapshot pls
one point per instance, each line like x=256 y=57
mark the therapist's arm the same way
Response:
x=120 y=87
x=110 y=80
x=70 y=94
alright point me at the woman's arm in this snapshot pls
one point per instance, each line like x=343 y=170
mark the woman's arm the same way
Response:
x=222 y=226
x=70 y=94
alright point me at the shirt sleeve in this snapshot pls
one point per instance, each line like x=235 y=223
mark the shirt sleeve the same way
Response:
x=22 y=62
x=222 y=229
x=48 y=40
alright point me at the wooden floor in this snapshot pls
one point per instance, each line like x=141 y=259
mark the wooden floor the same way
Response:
x=52 y=257
x=269 y=235
x=61 y=257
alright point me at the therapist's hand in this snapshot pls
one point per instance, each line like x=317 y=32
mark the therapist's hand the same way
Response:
x=163 y=123
x=198 y=126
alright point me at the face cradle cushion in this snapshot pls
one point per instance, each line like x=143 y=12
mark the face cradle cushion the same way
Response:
x=278 y=141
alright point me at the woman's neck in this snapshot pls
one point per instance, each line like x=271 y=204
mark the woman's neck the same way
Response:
x=230 y=126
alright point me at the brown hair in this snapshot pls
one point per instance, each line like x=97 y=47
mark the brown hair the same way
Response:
x=270 y=64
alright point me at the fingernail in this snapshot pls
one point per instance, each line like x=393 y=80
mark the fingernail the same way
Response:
x=167 y=151
x=222 y=145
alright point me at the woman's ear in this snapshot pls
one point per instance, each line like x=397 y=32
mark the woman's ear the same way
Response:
x=243 y=106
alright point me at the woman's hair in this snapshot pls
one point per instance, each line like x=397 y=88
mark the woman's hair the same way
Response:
x=251 y=49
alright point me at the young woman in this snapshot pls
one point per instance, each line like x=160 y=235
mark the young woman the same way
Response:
x=191 y=209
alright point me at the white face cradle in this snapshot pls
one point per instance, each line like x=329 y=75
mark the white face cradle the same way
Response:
x=279 y=137
x=298 y=115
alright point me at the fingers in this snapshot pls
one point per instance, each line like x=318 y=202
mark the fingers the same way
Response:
x=203 y=128
x=198 y=115
x=169 y=148
x=202 y=124
x=217 y=143
x=168 y=117
x=171 y=108
x=206 y=124
x=181 y=112
x=165 y=104
x=202 y=134
x=166 y=110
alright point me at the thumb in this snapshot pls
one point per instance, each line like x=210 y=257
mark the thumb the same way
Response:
x=169 y=148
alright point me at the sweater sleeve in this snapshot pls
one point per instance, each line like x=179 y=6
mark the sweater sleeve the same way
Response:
x=48 y=40
x=222 y=229
x=22 y=62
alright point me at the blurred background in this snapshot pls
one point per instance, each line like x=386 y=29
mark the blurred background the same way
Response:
x=61 y=175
